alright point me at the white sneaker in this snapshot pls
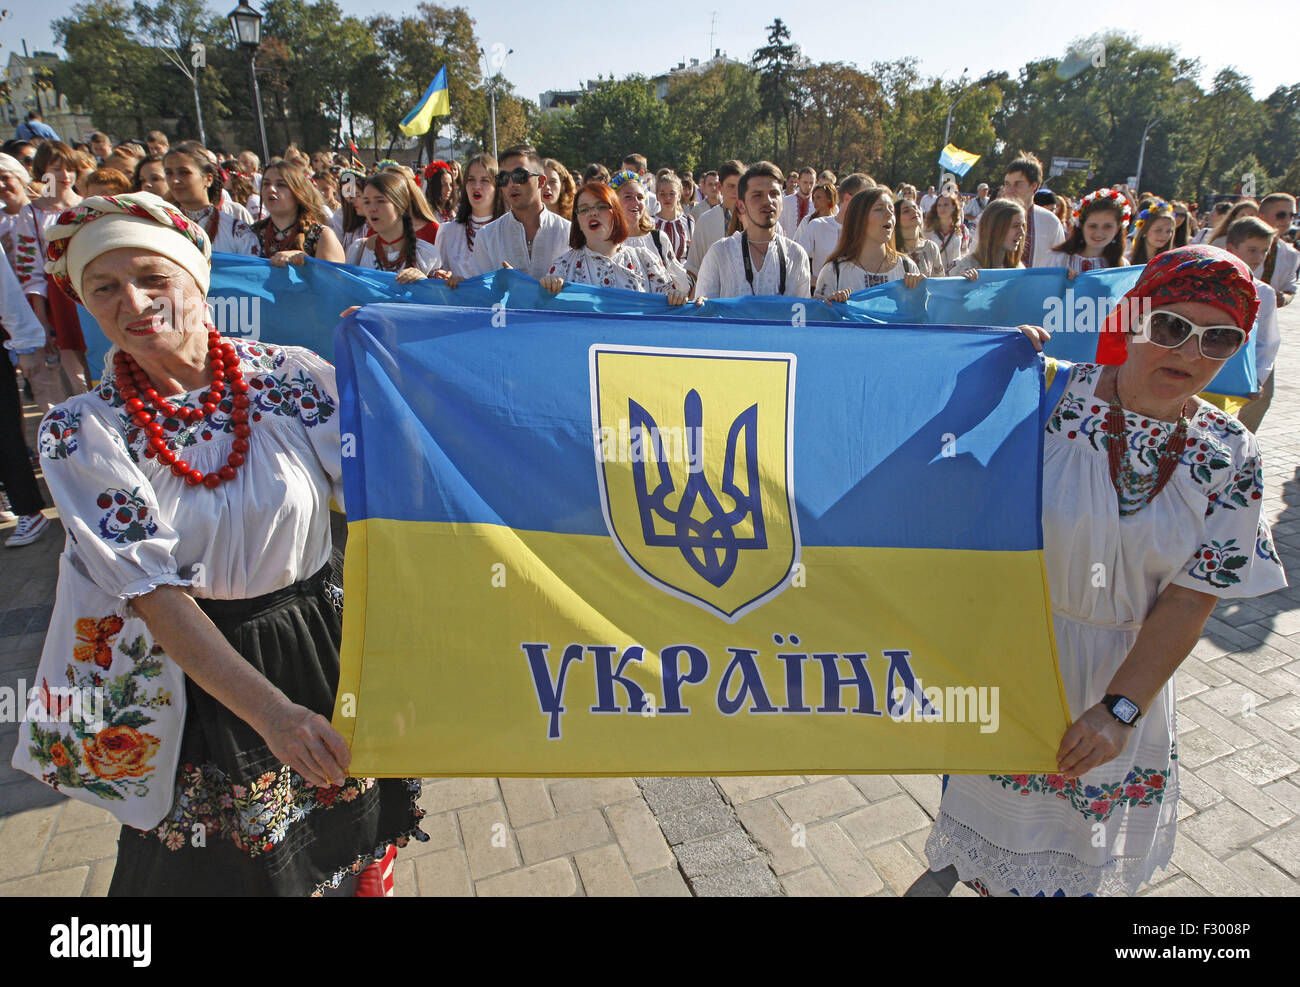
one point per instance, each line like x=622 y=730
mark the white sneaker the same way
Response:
x=6 y=515
x=29 y=529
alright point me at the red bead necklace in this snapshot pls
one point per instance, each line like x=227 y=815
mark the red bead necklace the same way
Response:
x=139 y=394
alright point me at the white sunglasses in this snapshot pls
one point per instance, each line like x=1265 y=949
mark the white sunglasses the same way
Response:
x=1170 y=330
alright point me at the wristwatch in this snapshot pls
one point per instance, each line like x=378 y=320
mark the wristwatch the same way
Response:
x=1124 y=710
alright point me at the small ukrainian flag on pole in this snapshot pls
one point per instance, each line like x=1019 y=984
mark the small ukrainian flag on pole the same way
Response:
x=956 y=160
x=436 y=102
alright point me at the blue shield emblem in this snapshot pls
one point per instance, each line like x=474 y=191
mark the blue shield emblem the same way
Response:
x=695 y=460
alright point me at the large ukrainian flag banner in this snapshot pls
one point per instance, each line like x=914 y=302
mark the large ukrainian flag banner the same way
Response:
x=595 y=544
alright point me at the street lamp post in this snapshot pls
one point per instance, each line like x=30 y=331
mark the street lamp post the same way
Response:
x=492 y=91
x=1142 y=151
x=246 y=26
x=947 y=127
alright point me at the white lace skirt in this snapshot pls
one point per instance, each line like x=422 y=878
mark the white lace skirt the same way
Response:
x=1104 y=833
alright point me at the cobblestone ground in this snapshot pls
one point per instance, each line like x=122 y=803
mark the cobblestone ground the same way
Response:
x=1239 y=737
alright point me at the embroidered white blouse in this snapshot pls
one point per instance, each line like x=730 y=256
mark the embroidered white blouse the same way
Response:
x=856 y=278
x=427 y=258
x=234 y=236
x=630 y=268
x=456 y=243
x=1204 y=531
x=134 y=526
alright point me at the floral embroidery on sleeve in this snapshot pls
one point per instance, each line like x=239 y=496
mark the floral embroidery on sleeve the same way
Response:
x=1245 y=486
x=1264 y=546
x=127 y=518
x=58 y=434
x=1217 y=562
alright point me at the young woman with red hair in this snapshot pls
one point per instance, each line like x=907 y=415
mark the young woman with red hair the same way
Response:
x=599 y=254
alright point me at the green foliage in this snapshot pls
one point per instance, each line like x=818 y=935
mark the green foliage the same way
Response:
x=326 y=76
x=614 y=119
x=713 y=114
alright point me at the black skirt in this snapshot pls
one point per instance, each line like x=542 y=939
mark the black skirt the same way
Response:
x=243 y=823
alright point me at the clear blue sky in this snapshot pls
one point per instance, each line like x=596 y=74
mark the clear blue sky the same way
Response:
x=551 y=52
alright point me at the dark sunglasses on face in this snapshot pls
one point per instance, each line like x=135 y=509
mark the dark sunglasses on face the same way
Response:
x=519 y=176
x=1170 y=330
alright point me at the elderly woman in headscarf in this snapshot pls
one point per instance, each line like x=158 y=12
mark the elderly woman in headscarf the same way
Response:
x=1151 y=514
x=195 y=485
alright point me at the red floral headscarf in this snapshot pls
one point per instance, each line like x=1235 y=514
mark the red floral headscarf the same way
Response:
x=1196 y=273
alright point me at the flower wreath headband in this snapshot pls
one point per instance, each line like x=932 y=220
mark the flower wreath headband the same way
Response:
x=620 y=178
x=1157 y=210
x=1101 y=195
x=435 y=166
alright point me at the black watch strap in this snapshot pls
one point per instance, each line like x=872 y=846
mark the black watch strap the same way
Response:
x=1122 y=708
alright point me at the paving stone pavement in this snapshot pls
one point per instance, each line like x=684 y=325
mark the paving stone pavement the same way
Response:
x=1239 y=738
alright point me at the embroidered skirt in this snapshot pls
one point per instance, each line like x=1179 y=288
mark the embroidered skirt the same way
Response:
x=243 y=823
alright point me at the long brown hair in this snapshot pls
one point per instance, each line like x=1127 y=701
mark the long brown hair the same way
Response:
x=197 y=156
x=932 y=219
x=899 y=242
x=994 y=223
x=466 y=209
x=568 y=187
x=396 y=188
x=853 y=234
x=1113 y=252
x=311 y=209
x=1141 y=248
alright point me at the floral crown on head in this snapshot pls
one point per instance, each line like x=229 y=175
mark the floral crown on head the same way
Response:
x=436 y=166
x=1103 y=194
x=620 y=178
x=1160 y=209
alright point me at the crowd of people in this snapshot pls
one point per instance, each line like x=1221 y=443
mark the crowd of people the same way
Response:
x=116 y=225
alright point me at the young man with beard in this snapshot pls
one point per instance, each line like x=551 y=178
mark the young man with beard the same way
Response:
x=715 y=224
x=529 y=237
x=758 y=260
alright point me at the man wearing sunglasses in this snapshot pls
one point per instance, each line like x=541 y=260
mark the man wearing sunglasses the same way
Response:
x=1283 y=261
x=529 y=237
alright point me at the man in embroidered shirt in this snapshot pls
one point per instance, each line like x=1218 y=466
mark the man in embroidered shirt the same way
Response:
x=759 y=260
x=798 y=205
x=529 y=236
x=715 y=224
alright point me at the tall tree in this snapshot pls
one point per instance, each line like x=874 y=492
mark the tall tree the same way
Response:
x=844 y=112
x=777 y=63
x=107 y=69
x=714 y=113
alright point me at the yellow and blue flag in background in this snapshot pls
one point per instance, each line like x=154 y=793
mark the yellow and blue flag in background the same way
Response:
x=956 y=160
x=584 y=543
x=436 y=102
